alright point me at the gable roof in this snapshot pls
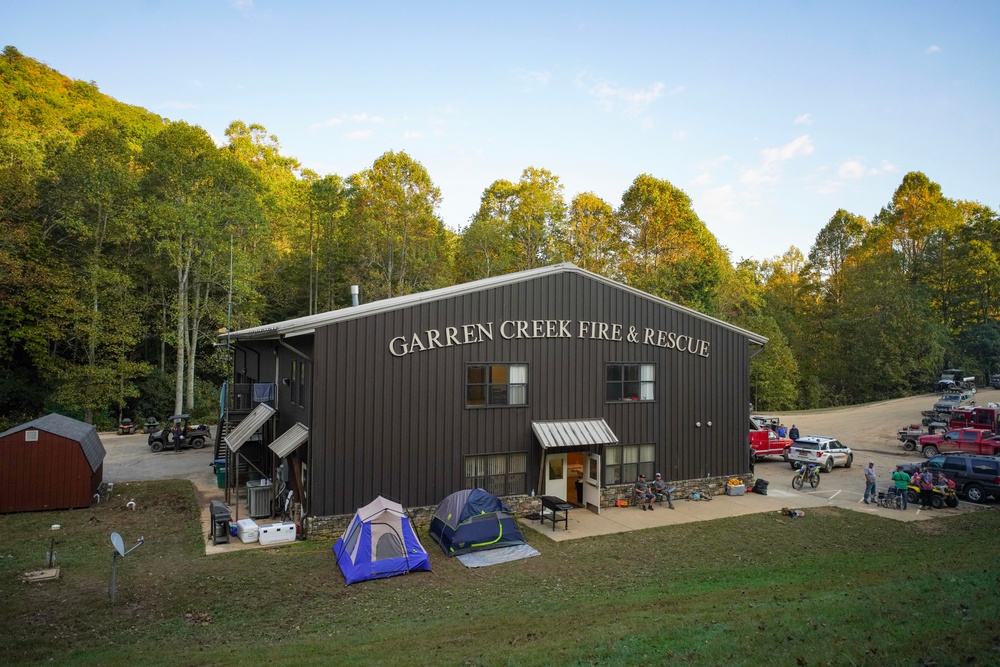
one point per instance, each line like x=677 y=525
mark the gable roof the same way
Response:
x=308 y=324
x=72 y=429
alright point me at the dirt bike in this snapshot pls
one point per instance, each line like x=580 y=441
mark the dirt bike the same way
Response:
x=809 y=472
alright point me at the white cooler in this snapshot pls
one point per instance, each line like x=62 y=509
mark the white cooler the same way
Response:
x=247 y=531
x=277 y=533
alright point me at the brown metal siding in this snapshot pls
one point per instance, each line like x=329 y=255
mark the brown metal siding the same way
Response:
x=399 y=426
x=52 y=473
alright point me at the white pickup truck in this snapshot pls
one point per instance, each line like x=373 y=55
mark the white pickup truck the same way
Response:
x=821 y=450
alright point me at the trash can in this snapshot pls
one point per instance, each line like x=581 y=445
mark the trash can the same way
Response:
x=220 y=472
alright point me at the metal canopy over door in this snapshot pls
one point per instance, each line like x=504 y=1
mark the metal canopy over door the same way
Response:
x=575 y=435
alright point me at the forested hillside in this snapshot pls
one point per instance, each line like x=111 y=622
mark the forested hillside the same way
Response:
x=122 y=235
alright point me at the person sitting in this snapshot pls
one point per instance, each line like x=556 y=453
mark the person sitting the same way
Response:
x=642 y=492
x=662 y=490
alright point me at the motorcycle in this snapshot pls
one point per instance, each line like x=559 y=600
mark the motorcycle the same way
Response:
x=809 y=472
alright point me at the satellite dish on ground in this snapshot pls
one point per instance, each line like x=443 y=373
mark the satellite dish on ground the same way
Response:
x=118 y=544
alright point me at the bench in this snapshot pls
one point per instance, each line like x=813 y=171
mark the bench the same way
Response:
x=556 y=506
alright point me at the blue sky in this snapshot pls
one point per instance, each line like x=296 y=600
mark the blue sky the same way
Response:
x=769 y=115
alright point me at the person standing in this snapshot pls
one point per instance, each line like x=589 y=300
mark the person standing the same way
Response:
x=793 y=432
x=926 y=489
x=870 y=480
x=901 y=480
x=782 y=431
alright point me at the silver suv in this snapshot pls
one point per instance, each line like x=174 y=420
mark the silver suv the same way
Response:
x=822 y=450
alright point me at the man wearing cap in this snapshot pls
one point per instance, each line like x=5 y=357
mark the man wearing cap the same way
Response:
x=901 y=480
x=870 y=480
x=646 y=497
x=660 y=488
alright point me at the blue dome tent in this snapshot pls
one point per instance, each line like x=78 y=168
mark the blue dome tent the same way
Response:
x=473 y=520
x=379 y=542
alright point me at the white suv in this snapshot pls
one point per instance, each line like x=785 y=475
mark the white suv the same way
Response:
x=821 y=450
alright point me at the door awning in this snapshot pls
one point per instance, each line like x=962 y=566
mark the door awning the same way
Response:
x=290 y=440
x=573 y=433
x=247 y=427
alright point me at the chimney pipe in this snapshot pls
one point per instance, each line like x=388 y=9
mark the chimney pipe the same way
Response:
x=354 y=295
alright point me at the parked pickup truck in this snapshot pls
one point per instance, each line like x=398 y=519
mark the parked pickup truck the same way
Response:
x=827 y=452
x=766 y=442
x=967 y=440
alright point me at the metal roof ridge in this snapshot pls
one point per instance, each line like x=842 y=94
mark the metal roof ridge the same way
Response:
x=310 y=322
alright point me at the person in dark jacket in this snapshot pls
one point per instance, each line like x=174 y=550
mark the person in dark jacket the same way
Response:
x=794 y=432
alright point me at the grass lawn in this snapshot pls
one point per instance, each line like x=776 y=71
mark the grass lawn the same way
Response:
x=833 y=588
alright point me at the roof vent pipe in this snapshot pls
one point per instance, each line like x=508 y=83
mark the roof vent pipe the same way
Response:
x=354 y=295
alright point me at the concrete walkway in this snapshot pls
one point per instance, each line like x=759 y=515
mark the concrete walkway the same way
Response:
x=583 y=523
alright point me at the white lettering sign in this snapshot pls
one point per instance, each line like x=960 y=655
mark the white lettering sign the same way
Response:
x=468 y=334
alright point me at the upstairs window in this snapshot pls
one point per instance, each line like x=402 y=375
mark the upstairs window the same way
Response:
x=496 y=385
x=630 y=382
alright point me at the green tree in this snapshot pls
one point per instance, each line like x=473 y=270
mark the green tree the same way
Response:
x=399 y=244
x=668 y=250
x=590 y=236
x=199 y=207
x=89 y=196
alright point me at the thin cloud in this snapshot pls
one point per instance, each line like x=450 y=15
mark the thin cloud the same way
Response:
x=177 y=105
x=854 y=169
x=358 y=135
x=680 y=134
x=804 y=119
x=713 y=163
x=612 y=97
x=242 y=5
x=534 y=78
x=799 y=146
x=932 y=49
x=769 y=170
x=413 y=135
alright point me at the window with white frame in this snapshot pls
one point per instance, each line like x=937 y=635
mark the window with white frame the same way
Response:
x=623 y=463
x=500 y=474
x=495 y=385
x=630 y=382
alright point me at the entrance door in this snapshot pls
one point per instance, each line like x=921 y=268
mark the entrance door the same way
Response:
x=592 y=483
x=555 y=475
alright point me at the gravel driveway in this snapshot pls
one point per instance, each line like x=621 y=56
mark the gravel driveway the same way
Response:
x=870 y=431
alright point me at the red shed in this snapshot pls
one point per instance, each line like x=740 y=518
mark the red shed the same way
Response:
x=51 y=463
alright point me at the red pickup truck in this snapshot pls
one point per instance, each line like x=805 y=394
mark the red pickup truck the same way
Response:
x=968 y=440
x=766 y=442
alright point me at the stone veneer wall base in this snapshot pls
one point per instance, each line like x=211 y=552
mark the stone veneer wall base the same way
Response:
x=332 y=527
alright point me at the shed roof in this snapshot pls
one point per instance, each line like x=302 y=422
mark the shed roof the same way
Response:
x=308 y=324
x=70 y=428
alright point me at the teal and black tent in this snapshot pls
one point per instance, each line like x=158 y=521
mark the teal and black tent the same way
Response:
x=473 y=520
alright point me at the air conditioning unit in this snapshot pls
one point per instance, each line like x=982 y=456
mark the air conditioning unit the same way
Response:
x=259 y=498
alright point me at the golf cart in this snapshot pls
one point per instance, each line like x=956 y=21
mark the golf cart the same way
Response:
x=178 y=433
